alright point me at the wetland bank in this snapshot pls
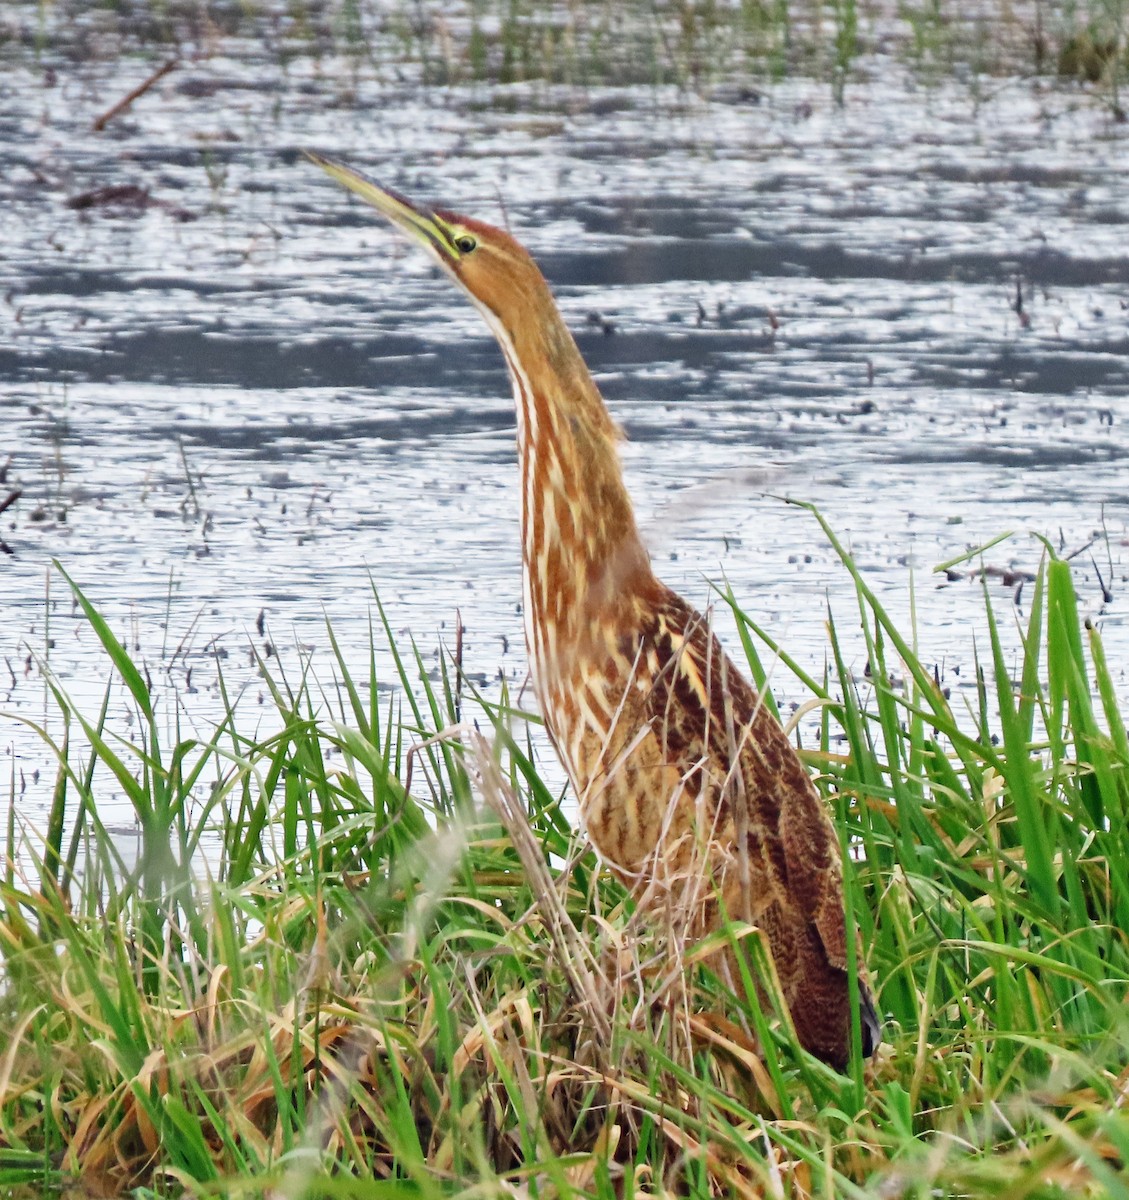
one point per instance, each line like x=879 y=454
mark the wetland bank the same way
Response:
x=885 y=271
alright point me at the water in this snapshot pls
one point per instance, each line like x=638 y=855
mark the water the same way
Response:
x=264 y=408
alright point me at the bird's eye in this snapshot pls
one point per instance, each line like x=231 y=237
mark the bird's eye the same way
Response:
x=464 y=243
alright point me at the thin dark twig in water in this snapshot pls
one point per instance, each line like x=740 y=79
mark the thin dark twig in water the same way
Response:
x=502 y=205
x=188 y=478
x=1105 y=536
x=1107 y=595
x=138 y=91
x=11 y=498
x=1081 y=549
x=458 y=666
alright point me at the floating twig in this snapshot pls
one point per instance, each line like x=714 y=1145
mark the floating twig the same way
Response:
x=128 y=99
x=129 y=198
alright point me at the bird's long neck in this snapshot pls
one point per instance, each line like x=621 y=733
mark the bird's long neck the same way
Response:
x=582 y=555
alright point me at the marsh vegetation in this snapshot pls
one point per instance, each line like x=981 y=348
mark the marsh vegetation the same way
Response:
x=404 y=973
x=334 y=932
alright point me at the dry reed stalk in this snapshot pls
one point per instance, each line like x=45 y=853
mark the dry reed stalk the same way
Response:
x=573 y=955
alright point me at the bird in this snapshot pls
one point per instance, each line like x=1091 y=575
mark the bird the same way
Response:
x=687 y=785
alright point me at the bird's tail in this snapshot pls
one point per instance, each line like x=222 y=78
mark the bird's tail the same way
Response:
x=819 y=999
x=868 y=1017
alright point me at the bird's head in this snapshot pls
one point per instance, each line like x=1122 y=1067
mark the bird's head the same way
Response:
x=486 y=262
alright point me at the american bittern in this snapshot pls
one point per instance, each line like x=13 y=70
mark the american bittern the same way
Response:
x=687 y=785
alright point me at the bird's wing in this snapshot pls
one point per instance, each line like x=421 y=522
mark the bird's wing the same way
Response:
x=698 y=794
x=703 y=710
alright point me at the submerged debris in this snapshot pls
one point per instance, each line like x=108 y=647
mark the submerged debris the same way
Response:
x=128 y=199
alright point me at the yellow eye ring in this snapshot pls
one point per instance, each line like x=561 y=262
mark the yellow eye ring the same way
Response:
x=464 y=243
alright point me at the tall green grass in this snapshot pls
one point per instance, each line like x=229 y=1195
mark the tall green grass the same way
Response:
x=398 y=972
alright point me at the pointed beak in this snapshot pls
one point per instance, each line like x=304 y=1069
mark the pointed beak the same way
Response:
x=419 y=224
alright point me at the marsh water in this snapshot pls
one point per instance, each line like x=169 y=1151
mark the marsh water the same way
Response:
x=233 y=403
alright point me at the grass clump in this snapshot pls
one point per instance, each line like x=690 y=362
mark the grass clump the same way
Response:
x=403 y=975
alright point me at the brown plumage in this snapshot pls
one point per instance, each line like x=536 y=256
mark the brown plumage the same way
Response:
x=687 y=785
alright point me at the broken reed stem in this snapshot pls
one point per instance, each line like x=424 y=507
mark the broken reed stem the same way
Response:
x=137 y=92
x=574 y=955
